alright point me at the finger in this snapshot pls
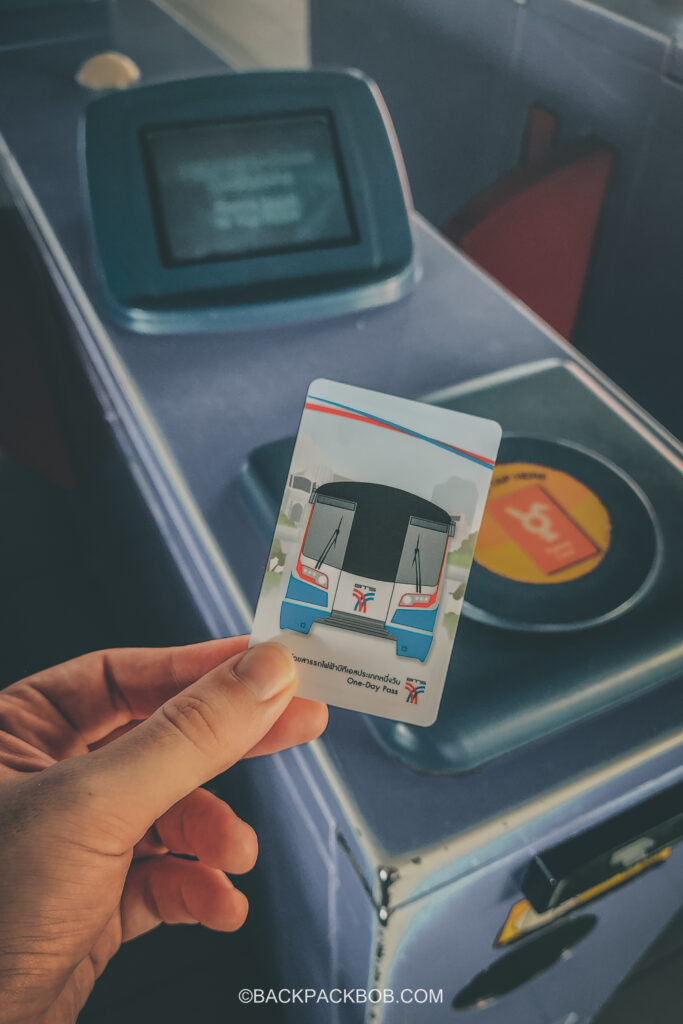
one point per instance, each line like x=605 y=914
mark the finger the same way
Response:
x=193 y=737
x=115 y=733
x=203 y=826
x=149 y=846
x=17 y=755
x=70 y=707
x=300 y=722
x=172 y=891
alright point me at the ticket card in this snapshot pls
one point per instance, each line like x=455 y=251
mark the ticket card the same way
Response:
x=373 y=546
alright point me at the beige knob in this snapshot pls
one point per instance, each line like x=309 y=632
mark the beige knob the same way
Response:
x=108 y=71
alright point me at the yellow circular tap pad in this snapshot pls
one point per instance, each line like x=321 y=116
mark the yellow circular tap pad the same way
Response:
x=541 y=525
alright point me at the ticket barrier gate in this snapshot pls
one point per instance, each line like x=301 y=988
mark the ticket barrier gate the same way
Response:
x=496 y=856
x=544 y=675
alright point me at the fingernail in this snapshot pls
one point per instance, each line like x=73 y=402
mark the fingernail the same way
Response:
x=266 y=670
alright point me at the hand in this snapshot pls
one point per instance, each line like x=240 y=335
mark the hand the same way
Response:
x=100 y=760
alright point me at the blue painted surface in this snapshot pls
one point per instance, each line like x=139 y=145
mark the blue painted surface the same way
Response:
x=299 y=590
x=418 y=618
x=449 y=938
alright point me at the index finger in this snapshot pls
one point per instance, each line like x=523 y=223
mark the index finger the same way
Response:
x=65 y=709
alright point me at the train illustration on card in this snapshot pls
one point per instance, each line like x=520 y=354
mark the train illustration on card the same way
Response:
x=372 y=560
x=372 y=547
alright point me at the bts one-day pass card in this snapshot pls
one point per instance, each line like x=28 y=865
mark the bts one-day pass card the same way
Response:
x=373 y=546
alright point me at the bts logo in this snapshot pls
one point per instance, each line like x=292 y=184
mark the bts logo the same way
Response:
x=544 y=530
x=536 y=520
x=363 y=596
x=414 y=687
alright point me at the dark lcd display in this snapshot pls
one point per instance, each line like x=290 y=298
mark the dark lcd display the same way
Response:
x=250 y=187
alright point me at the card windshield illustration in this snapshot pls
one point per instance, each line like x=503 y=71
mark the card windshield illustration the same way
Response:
x=373 y=546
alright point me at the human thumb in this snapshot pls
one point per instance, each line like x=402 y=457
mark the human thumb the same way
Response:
x=194 y=736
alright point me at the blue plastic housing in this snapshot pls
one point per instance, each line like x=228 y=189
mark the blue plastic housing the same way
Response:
x=148 y=292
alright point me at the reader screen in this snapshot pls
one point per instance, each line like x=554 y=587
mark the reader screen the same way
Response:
x=229 y=189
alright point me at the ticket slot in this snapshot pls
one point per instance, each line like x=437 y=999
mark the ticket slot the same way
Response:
x=531 y=958
x=594 y=856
